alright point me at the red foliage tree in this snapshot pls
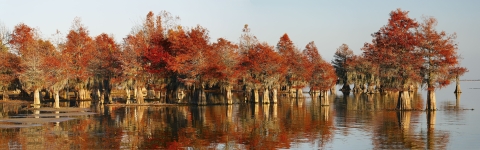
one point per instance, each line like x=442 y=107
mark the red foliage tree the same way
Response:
x=32 y=51
x=8 y=70
x=264 y=68
x=79 y=51
x=321 y=74
x=134 y=74
x=440 y=54
x=222 y=67
x=188 y=50
x=294 y=63
x=394 y=50
x=56 y=74
x=105 y=66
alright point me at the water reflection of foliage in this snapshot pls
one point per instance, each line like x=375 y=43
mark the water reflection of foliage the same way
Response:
x=240 y=126
x=247 y=126
x=374 y=113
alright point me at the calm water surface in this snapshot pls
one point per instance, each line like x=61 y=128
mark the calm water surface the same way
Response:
x=355 y=121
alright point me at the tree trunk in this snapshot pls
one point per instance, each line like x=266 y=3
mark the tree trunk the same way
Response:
x=201 y=97
x=36 y=97
x=100 y=97
x=228 y=91
x=140 y=99
x=333 y=90
x=404 y=101
x=255 y=96
x=87 y=95
x=457 y=87
x=293 y=92
x=356 y=88
x=109 y=97
x=80 y=94
x=371 y=89
x=431 y=101
x=299 y=92
x=158 y=94
x=274 y=96
x=135 y=92
x=364 y=89
x=107 y=89
x=457 y=101
x=57 y=99
x=324 y=98
x=266 y=96
x=66 y=95
x=128 y=100
x=5 y=95
x=345 y=88
x=150 y=93
x=128 y=93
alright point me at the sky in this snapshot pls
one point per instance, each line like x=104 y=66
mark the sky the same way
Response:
x=328 y=23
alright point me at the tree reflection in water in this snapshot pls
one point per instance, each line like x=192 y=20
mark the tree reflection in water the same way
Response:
x=291 y=123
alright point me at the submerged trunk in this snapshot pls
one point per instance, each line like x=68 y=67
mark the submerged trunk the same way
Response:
x=274 y=95
x=109 y=97
x=457 y=101
x=81 y=93
x=107 y=90
x=36 y=97
x=201 y=97
x=404 y=101
x=228 y=91
x=57 y=99
x=66 y=95
x=431 y=101
x=345 y=88
x=266 y=96
x=356 y=88
x=254 y=96
x=324 y=98
x=371 y=89
x=150 y=93
x=100 y=97
x=299 y=92
x=128 y=94
x=5 y=95
x=139 y=95
x=135 y=92
x=364 y=89
x=292 y=92
x=333 y=90
x=457 y=87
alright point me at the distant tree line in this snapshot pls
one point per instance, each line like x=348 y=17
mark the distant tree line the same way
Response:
x=174 y=62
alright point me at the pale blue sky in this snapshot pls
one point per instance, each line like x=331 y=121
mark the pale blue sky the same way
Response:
x=328 y=23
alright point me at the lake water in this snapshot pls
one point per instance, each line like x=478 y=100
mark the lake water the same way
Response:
x=355 y=121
